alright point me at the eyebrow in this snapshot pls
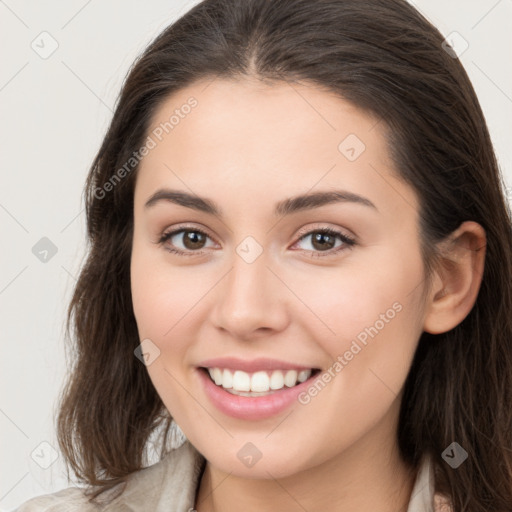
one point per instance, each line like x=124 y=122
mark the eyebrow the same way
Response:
x=286 y=207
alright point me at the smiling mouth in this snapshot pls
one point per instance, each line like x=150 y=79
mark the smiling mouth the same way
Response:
x=260 y=383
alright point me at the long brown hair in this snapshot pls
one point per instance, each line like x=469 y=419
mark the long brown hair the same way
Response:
x=386 y=59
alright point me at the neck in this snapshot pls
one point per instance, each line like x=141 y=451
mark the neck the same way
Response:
x=364 y=478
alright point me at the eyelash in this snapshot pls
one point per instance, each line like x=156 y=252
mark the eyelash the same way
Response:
x=348 y=242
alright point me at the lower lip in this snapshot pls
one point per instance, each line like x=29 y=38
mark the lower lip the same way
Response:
x=251 y=408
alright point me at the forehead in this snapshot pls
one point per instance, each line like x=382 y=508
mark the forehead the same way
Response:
x=263 y=137
x=246 y=115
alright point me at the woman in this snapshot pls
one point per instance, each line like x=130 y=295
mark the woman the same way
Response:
x=301 y=258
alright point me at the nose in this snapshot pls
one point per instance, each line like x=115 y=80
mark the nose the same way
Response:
x=252 y=301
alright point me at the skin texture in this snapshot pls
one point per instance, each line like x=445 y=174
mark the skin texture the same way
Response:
x=246 y=146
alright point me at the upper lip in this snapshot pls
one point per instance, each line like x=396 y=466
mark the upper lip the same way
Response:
x=254 y=365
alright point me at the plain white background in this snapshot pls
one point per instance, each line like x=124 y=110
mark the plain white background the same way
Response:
x=54 y=112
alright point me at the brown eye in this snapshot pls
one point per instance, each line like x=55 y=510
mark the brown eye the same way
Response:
x=324 y=241
x=192 y=240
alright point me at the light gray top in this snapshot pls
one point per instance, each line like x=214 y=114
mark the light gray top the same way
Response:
x=170 y=486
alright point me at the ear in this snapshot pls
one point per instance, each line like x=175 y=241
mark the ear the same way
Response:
x=458 y=278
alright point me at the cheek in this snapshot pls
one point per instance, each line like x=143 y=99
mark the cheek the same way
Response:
x=370 y=316
x=361 y=298
x=161 y=297
x=149 y=303
x=377 y=321
x=165 y=297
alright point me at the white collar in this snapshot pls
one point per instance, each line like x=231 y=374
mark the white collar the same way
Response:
x=171 y=484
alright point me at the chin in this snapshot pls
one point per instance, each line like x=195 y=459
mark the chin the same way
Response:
x=269 y=462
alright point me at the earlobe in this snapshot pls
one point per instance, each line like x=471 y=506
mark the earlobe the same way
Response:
x=458 y=278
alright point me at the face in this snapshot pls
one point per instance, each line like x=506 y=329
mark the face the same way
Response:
x=316 y=300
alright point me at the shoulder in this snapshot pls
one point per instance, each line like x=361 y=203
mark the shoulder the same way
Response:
x=171 y=482
x=442 y=503
x=424 y=497
x=67 y=500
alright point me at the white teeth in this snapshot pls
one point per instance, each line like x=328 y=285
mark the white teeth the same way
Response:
x=227 y=379
x=241 y=381
x=217 y=376
x=276 y=380
x=303 y=375
x=258 y=382
x=290 y=379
